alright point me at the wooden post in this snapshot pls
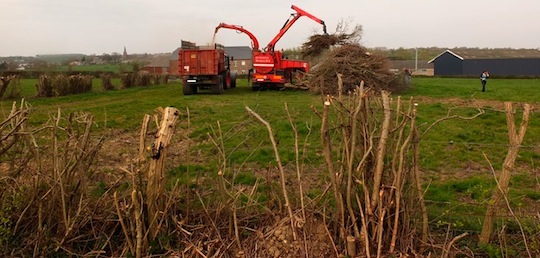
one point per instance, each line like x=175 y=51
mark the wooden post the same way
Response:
x=156 y=177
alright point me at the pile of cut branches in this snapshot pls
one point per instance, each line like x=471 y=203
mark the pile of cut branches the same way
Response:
x=319 y=43
x=341 y=53
x=355 y=64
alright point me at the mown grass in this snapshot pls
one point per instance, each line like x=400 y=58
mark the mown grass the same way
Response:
x=516 y=90
x=451 y=145
x=453 y=153
x=460 y=142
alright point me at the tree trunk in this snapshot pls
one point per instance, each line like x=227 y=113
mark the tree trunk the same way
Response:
x=515 y=140
x=381 y=148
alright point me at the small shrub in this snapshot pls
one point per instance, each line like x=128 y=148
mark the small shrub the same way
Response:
x=127 y=80
x=106 y=82
x=10 y=87
x=60 y=85
x=44 y=86
x=80 y=84
x=143 y=78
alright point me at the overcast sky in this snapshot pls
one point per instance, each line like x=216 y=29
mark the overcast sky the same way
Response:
x=32 y=27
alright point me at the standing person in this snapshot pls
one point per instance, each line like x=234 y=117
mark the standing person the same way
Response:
x=483 y=78
x=407 y=75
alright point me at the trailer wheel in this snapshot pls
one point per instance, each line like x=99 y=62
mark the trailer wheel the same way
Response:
x=188 y=89
x=255 y=87
x=218 y=87
x=227 y=80
x=233 y=80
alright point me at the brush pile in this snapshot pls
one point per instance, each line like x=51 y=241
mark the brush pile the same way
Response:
x=319 y=43
x=341 y=53
x=355 y=64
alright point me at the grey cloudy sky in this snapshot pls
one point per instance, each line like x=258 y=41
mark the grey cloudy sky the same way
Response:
x=31 y=27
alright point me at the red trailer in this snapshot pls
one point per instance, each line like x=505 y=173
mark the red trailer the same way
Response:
x=204 y=67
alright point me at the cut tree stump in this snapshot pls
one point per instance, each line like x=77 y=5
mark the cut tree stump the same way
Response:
x=156 y=177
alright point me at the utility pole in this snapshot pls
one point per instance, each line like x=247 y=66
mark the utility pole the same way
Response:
x=416 y=61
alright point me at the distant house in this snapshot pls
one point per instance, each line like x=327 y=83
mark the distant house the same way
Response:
x=159 y=65
x=502 y=62
x=21 y=67
x=241 y=58
x=174 y=63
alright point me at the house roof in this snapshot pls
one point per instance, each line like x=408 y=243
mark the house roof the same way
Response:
x=239 y=52
x=159 y=61
x=486 y=53
x=174 y=54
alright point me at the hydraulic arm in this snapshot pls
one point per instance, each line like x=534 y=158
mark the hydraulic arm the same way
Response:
x=292 y=19
x=241 y=29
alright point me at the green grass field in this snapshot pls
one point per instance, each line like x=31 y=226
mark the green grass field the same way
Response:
x=516 y=90
x=450 y=145
x=457 y=175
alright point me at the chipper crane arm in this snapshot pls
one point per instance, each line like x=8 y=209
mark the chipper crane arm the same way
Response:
x=254 y=40
x=292 y=19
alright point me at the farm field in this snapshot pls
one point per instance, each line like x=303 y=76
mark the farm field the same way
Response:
x=457 y=155
x=124 y=109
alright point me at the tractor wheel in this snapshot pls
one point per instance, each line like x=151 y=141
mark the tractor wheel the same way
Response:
x=188 y=89
x=233 y=80
x=218 y=87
